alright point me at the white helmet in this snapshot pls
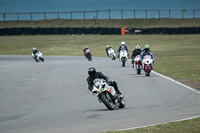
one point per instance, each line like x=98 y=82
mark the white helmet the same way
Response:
x=123 y=43
x=34 y=48
x=137 y=47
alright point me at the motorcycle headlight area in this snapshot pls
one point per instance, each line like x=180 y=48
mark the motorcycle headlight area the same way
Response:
x=102 y=87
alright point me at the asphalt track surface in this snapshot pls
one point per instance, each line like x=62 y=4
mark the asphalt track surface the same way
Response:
x=53 y=97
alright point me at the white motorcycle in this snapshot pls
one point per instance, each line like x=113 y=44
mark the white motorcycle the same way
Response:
x=107 y=94
x=38 y=56
x=147 y=64
x=111 y=53
x=123 y=56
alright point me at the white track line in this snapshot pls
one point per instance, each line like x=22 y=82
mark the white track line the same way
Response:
x=170 y=121
x=176 y=82
x=158 y=124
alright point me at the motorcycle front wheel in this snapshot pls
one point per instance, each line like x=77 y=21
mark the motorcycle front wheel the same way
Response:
x=123 y=62
x=42 y=59
x=138 y=69
x=106 y=99
x=147 y=71
x=122 y=103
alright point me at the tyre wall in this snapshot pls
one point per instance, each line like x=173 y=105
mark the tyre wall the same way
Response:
x=96 y=30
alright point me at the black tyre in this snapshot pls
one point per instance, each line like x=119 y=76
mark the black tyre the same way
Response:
x=36 y=59
x=147 y=73
x=89 y=58
x=139 y=69
x=122 y=103
x=42 y=59
x=123 y=62
x=106 y=99
x=113 y=57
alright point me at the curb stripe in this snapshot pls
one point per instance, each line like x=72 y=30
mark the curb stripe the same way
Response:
x=190 y=88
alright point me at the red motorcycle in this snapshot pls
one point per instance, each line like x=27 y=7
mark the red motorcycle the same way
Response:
x=138 y=66
x=147 y=64
x=88 y=55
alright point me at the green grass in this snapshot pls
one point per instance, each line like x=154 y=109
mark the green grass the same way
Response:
x=176 y=56
x=127 y=23
x=187 y=126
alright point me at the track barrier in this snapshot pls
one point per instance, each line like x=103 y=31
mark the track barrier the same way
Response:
x=97 y=30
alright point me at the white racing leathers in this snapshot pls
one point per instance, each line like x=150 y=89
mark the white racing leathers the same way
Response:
x=123 y=56
x=111 y=53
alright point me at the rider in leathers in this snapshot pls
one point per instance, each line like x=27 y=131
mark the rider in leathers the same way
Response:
x=107 y=48
x=120 y=48
x=146 y=51
x=136 y=51
x=93 y=74
x=35 y=51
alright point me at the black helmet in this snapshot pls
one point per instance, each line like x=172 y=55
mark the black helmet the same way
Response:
x=92 y=71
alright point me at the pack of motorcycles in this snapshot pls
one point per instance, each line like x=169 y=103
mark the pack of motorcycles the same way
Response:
x=104 y=92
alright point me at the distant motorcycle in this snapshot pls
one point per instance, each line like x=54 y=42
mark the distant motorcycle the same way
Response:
x=111 y=53
x=38 y=56
x=138 y=66
x=123 y=57
x=88 y=55
x=147 y=64
x=107 y=94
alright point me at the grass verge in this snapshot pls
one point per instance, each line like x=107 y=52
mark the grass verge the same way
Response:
x=127 y=23
x=187 y=126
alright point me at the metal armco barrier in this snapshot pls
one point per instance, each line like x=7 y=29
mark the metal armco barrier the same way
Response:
x=96 y=30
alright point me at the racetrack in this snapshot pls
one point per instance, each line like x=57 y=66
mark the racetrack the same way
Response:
x=53 y=97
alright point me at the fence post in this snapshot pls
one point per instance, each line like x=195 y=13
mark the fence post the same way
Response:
x=146 y=14
x=17 y=16
x=4 y=17
x=122 y=14
x=31 y=16
x=159 y=14
x=109 y=14
x=182 y=14
x=134 y=14
x=169 y=13
x=193 y=14
x=84 y=15
x=96 y=14
x=58 y=15
x=44 y=15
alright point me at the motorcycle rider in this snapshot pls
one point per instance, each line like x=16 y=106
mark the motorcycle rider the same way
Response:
x=146 y=51
x=123 y=45
x=84 y=49
x=107 y=48
x=35 y=51
x=136 y=51
x=93 y=74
